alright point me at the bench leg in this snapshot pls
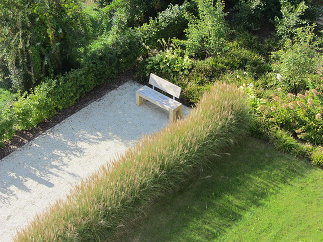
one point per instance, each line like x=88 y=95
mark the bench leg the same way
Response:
x=172 y=116
x=138 y=99
x=176 y=114
x=179 y=112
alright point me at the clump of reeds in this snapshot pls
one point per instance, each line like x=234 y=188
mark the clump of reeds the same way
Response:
x=157 y=165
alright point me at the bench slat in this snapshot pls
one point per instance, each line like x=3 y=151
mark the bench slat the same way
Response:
x=158 y=98
x=164 y=85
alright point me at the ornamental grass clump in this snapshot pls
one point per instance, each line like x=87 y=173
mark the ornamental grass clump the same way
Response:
x=158 y=165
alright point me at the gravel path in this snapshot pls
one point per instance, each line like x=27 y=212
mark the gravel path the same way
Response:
x=47 y=168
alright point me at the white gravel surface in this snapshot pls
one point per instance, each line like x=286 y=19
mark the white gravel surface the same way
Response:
x=47 y=168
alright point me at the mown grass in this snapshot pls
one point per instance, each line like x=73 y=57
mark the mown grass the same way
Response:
x=256 y=194
x=158 y=165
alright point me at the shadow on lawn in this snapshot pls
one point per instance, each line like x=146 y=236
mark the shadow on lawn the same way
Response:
x=221 y=196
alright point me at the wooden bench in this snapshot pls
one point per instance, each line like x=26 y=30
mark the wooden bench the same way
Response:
x=174 y=107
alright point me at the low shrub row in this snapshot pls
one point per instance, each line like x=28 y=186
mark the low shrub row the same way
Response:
x=293 y=123
x=284 y=141
x=156 y=166
x=301 y=114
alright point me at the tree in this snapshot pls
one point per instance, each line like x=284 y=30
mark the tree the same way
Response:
x=39 y=38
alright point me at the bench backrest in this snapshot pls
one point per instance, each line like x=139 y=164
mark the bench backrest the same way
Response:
x=164 y=85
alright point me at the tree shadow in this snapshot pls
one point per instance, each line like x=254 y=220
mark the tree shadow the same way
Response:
x=109 y=125
x=221 y=196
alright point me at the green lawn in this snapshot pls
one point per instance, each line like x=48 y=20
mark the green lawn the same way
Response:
x=255 y=194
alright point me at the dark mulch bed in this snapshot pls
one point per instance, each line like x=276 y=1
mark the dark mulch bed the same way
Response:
x=23 y=137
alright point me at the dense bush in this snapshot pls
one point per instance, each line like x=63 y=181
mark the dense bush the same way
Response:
x=112 y=53
x=137 y=12
x=6 y=125
x=301 y=115
x=206 y=36
x=169 y=24
x=170 y=63
x=291 y=19
x=248 y=14
x=298 y=63
x=293 y=123
x=317 y=156
x=157 y=165
x=40 y=38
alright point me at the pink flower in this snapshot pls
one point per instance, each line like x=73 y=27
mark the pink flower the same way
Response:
x=315 y=92
x=299 y=131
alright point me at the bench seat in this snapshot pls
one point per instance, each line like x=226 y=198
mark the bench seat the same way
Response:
x=174 y=107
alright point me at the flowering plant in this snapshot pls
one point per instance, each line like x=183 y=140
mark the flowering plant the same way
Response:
x=299 y=114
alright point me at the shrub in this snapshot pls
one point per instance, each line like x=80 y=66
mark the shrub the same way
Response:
x=137 y=12
x=300 y=115
x=169 y=24
x=285 y=142
x=6 y=125
x=236 y=57
x=291 y=19
x=6 y=97
x=248 y=14
x=233 y=58
x=194 y=89
x=30 y=110
x=157 y=165
x=170 y=64
x=113 y=53
x=298 y=62
x=207 y=35
x=317 y=156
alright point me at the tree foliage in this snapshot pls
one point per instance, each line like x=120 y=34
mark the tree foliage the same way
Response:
x=39 y=38
x=206 y=35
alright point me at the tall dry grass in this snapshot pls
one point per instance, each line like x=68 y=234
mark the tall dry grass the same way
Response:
x=157 y=165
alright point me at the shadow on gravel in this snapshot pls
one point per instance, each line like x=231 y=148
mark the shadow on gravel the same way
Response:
x=109 y=125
